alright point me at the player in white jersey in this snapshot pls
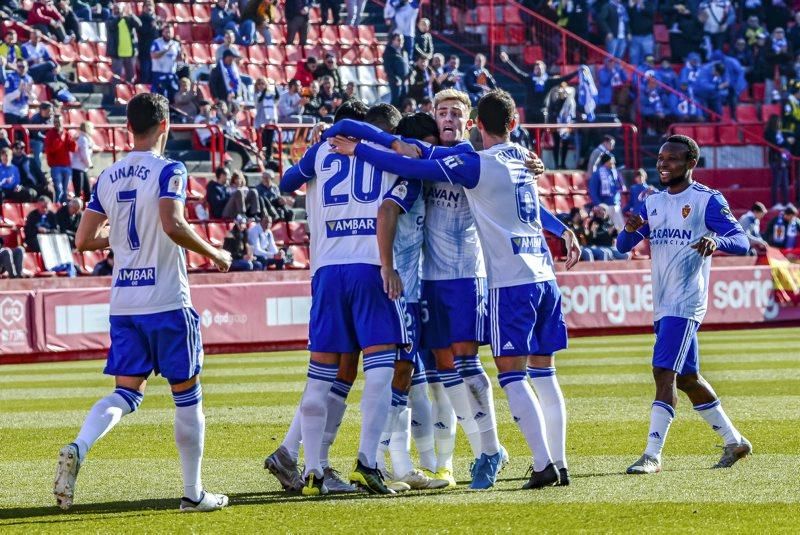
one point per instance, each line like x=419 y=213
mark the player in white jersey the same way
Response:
x=349 y=309
x=524 y=302
x=685 y=224
x=153 y=325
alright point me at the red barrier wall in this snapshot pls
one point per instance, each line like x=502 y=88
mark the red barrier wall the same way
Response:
x=262 y=314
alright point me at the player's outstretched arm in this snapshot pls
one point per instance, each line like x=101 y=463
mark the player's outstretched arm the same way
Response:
x=179 y=231
x=301 y=172
x=730 y=237
x=360 y=130
x=92 y=234
x=555 y=226
x=635 y=230
x=388 y=213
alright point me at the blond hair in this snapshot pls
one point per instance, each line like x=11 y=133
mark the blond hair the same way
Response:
x=452 y=94
x=87 y=127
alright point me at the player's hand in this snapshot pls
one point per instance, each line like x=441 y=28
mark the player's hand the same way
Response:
x=573 y=248
x=634 y=223
x=534 y=164
x=406 y=149
x=705 y=246
x=343 y=145
x=223 y=260
x=392 y=284
x=316 y=132
x=504 y=56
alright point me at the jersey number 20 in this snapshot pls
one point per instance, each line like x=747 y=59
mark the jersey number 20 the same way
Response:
x=340 y=165
x=129 y=197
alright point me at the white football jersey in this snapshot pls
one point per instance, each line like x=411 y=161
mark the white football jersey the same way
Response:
x=408 y=249
x=149 y=268
x=343 y=197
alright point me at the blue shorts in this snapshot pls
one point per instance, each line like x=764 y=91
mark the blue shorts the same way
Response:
x=676 y=345
x=526 y=320
x=167 y=343
x=350 y=311
x=453 y=311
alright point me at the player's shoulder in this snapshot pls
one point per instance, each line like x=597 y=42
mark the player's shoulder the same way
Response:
x=702 y=189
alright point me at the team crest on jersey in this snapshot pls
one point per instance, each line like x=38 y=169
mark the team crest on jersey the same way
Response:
x=401 y=190
x=726 y=212
x=686 y=210
x=176 y=182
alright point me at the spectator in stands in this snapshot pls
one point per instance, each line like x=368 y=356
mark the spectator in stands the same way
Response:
x=234 y=140
x=779 y=55
x=351 y=91
x=642 y=14
x=332 y=7
x=187 y=100
x=639 y=191
x=58 y=145
x=690 y=72
x=575 y=220
x=224 y=16
x=262 y=243
x=72 y=26
x=561 y=109
x=420 y=82
x=296 y=16
x=330 y=68
x=306 y=71
x=41 y=66
x=684 y=107
x=751 y=223
x=42 y=220
x=4 y=142
x=291 y=105
x=423 y=41
x=752 y=30
x=458 y=12
x=655 y=104
x=266 y=101
x=81 y=161
x=713 y=86
x=426 y=106
x=538 y=84
x=666 y=74
x=236 y=243
x=455 y=78
x=520 y=135
x=225 y=82
x=68 y=218
x=605 y=187
x=228 y=43
x=165 y=53
x=147 y=33
x=717 y=16
x=43 y=117
x=327 y=94
x=606 y=147
x=603 y=234
x=409 y=105
x=395 y=63
x=19 y=86
x=30 y=173
x=256 y=17
x=779 y=158
x=611 y=86
x=123 y=29
x=276 y=204
x=217 y=193
x=207 y=116
x=401 y=17
x=104 y=268
x=783 y=230
x=355 y=8
x=314 y=103
x=794 y=32
x=791 y=115
x=478 y=80
x=686 y=31
x=11 y=259
x=45 y=17
x=11 y=187
x=10 y=48
x=614 y=24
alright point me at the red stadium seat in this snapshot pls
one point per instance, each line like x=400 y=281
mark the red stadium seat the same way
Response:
x=256 y=71
x=579 y=182
x=278 y=35
x=484 y=15
x=183 y=13
x=684 y=130
x=562 y=183
x=258 y=54
x=314 y=16
x=759 y=92
x=165 y=12
x=350 y=56
x=544 y=183
x=294 y=54
x=87 y=52
x=511 y=15
x=770 y=109
x=746 y=113
x=102 y=52
x=729 y=135
x=74 y=116
x=196 y=262
x=11 y=236
x=276 y=74
x=329 y=35
x=661 y=33
x=705 y=135
x=562 y=203
x=276 y=55
x=298 y=232
x=366 y=35
x=313 y=37
x=197 y=186
x=104 y=73
x=280 y=232
x=202 y=33
x=217 y=232
x=97 y=116
x=201 y=13
x=85 y=73
x=380 y=74
x=348 y=35
x=546 y=201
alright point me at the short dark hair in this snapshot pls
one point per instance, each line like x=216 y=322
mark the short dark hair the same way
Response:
x=692 y=149
x=351 y=109
x=384 y=116
x=417 y=126
x=146 y=111
x=759 y=207
x=221 y=170
x=609 y=138
x=496 y=111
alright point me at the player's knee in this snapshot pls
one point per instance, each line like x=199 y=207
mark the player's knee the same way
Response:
x=132 y=397
x=403 y=371
x=189 y=396
x=687 y=382
x=313 y=403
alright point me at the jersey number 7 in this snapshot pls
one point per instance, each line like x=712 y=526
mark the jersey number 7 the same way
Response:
x=129 y=197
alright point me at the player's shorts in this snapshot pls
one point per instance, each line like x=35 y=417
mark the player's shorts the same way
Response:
x=167 y=343
x=350 y=311
x=453 y=311
x=411 y=352
x=676 y=345
x=526 y=320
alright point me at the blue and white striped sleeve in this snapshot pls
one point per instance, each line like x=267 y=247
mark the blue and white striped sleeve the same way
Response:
x=172 y=181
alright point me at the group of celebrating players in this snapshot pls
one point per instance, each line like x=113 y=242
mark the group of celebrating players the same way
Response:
x=423 y=249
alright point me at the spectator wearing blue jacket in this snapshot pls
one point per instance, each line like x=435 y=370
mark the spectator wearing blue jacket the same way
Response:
x=605 y=187
x=638 y=192
x=684 y=108
x=688 y=76
x=18 y=86
x=654 y=103
x=10 y=187
x=717 y=84
x=734 y=72
x=610 y=78
x=666 y=75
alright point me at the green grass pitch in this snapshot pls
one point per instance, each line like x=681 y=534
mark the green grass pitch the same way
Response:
x=131 y=480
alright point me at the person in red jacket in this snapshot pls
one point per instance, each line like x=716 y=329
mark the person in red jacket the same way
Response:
x=45 y=17
x=305 y=71
x=58 y=144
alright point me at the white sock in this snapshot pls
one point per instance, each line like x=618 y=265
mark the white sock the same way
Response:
x=294 y=435
x=190 y=433
x=337 y=404
x=479 y=392
x=459 y=399
x=714 y=414
x=444 y=427
x=547 y=389
x=314 y=413
x=400 y=444
x=528 y=415
x=422 y=425
x=386 y=435
x=376 y=400
x=661 y=416
x=104 y=415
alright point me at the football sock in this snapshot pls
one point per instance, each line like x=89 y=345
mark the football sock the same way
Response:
x=479 y=391
x=337 y=404
x=386 y=435
x=545 y=384
x=314 y=412
x=661 y=416
x=376 y=400
x=457 y=393
x=422 y=425
x=527 y=414
x=714 y=414
x=190 y=432
x=400 y=444
x=444 y=426
x=104 y=415
x=293 y=436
